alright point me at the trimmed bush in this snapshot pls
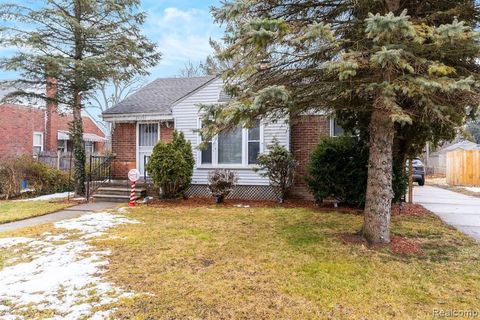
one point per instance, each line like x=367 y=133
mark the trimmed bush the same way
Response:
x=40 y=177
x=171 y=166
x=278 y=165
x=221 y=183
x=338 y=169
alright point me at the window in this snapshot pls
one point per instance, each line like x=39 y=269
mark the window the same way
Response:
x=230 y=147
x=37 y=142
x=62 y=145
x=206 y=155
x=89 y=147
x=147 y=134
x=335 y=129
x=253 y=143
x=239 y=146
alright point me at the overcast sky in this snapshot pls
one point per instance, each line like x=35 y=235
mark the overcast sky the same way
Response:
x=181 y=29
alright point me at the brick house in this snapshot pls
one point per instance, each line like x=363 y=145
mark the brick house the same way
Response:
x=32 y=129
x=152 y=113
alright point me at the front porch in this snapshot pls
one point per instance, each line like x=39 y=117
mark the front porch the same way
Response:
x=133 y=142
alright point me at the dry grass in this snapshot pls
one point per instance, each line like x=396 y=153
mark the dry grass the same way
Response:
x=285 y=263
x=18 y=210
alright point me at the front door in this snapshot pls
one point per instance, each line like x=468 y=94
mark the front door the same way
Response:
x=148 y=136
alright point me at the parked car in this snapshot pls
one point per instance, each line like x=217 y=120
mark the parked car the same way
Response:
x=418 y=171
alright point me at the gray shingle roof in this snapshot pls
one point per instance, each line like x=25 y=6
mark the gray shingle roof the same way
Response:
x=159 y=95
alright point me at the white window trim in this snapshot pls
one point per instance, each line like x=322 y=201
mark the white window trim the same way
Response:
x=332 y=127
x=64 y=143
x=215 y=164
x=41 y=139
x=92 y=144
x=137 y=138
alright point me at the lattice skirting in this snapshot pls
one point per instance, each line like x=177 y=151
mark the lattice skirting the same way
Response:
x=239 y=192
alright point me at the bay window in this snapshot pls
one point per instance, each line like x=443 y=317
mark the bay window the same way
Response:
x=236 y=147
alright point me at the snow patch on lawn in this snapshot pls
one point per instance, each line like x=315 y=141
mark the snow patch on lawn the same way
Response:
x=49 y=197
x=93 y=225
x=9 y=242
x=473 y=189
x=62 y=274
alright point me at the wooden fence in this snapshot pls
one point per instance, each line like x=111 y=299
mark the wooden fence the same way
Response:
x=463 y=167
x=59 y=160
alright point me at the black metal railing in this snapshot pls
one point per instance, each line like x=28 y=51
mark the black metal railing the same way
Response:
x=99 y=172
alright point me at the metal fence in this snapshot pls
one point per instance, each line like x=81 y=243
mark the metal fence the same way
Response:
x=99 y=172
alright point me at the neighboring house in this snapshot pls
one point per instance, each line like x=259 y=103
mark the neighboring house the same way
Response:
x=152 y=113
x=437 y=161
x=34 y=129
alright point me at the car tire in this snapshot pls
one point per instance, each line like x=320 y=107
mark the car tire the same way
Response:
x=421 y=182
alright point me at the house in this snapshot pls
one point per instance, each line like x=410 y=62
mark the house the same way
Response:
x=31 y=129
x=155 y=111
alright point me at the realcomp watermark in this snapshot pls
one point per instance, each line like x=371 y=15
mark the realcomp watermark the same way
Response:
x=456 y=313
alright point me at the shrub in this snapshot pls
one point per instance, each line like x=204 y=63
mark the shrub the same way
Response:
x=40 y=177
x=221 y=182
x=279 y=167
x=338 y=169
x=171 y=166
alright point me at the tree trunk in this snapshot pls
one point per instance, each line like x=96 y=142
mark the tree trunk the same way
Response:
x=376 y=228
x=78 y=146
x=77 y=124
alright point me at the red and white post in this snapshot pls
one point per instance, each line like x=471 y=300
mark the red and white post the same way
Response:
x=133 y=176
x=132 y=195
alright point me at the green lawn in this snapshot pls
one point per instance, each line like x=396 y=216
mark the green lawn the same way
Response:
x=278 y=263
x=18 y=210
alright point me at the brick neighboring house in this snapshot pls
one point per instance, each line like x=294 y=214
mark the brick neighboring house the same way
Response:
x=33 y=129
x=152 y=113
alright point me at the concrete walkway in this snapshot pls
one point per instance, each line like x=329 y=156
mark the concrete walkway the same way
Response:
x=68 y=213
x=456 y=209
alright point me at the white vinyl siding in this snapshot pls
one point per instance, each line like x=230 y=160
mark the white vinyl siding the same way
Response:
x=186 y=115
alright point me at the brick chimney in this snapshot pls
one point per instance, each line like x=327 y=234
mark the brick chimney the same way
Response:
x=51 y=143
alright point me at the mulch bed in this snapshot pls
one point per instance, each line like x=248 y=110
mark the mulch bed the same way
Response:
x=398 y=245
x=236 y=203
x=409 y=209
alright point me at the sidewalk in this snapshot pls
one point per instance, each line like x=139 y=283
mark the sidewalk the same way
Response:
x=68 y=213
x=456 y=209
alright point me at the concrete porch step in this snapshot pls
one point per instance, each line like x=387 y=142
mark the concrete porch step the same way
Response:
x=113 y=198
x=119 y=191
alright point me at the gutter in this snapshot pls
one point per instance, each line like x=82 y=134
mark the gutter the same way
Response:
x=132 y=117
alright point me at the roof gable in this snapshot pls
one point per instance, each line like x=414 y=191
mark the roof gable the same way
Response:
x=159 y=95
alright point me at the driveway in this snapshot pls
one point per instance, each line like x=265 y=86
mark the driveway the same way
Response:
x=458 y=210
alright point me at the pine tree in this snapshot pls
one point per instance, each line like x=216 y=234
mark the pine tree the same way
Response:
x=76 y=45
x=400 y=63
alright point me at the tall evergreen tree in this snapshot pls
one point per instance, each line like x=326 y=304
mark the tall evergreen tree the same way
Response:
x=400 y=63
x=75 y=44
